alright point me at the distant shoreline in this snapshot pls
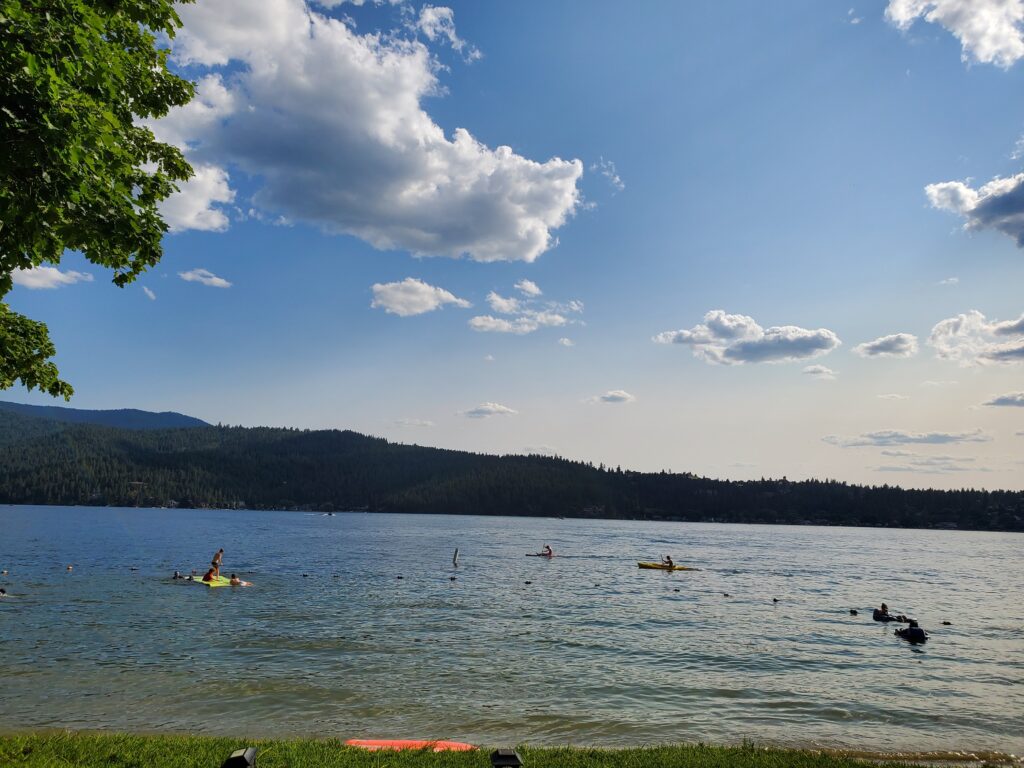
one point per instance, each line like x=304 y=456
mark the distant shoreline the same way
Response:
x=566 y=518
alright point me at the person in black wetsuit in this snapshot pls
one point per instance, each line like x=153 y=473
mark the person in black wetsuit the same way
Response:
x=882 y=614
x=912 y=632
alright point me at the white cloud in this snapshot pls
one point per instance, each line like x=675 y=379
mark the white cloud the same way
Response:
x=1015 y=399
x=997 y=205
x=971 y=339
x=529 y=314
x=502 y=305
x=897 y=437
x=40 y=278
x=937 y=384
x=819 y=372
x=204 y=276
x=438 y=23
x=540 y=450
x=893 y=396
x=412 y=297
x=528 y=288
x=614 y=396
x=566 y=342
x=989 y=31
x=329 y=125
x=726 y=339
x=413 y=423
x=607 y=169
x=192 y=207
x=486 y=410
x=950 y=281
x=894 y=345
x=149 y=294
x=488 y=358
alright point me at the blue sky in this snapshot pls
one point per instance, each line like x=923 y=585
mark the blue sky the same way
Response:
x=719 y=204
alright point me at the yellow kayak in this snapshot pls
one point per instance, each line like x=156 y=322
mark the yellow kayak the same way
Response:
x=663 y=567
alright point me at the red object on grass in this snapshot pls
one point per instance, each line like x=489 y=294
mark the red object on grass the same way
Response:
x=434 y=746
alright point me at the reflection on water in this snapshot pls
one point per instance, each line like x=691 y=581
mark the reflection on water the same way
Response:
x=592 y=650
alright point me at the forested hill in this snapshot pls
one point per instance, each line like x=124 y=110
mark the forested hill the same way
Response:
x=126 y=418
x=51 y=462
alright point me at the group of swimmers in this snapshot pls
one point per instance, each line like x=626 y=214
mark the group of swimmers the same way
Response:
x=213 y=574
x=912 y=632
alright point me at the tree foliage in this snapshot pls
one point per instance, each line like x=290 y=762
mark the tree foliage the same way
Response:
x=49 y=462
x=77 y=170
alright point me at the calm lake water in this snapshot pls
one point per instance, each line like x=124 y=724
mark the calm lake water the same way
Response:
x=584 y=649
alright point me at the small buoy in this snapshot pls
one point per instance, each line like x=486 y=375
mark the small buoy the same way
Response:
x=399 y=577
x=675 y=590
x=775 y=599
x=947 y=623
x=305 y=575
x=451 y=578
x=70 y=568
x=527 y=582
x=4 y=572
x=725 y=594
x=853 y=611
x=597 y=585
x=336 y=576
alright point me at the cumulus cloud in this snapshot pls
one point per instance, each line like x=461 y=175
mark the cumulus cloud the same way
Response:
x=950 y=281
x=614 y=396
x=502 y=305
x=438 y=23
x=887 y=437
x=45 y=278
x=1013 y=399
x=526 y=315
x=997 y=205
x=607 y=169
x=726 y=339
x=205 y=277
x=528 y=288
x=192 y=206
x=893 y=396
x=989 y=31
x=486 y=410
x=412 y=297
x=149 y=294
x=566 y=342
x=971 y=339
x=413 y=423
x=819 y=372
x=330 y=127
x=894 y=345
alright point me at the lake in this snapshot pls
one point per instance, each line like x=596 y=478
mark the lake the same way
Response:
x=583 y=649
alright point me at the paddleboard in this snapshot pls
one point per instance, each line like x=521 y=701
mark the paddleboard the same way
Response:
x=433 y=746
x=222 y=581
x=661 y=567
x=539 y=554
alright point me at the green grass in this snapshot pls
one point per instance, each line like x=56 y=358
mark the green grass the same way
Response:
x=88 y=750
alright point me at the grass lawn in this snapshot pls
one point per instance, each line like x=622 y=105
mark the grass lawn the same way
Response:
x=90 y=750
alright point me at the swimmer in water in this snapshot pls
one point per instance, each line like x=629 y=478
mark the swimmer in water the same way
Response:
x=211 y=575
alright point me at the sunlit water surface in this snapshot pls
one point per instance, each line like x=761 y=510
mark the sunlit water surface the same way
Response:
x=584 y=649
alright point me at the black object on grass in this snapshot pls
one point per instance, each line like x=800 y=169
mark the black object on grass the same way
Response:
x=241 y=758
x=506 y=758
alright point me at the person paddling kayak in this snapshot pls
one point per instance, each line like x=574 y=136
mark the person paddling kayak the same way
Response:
x=547 y=551
x=667 y=561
